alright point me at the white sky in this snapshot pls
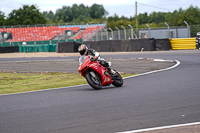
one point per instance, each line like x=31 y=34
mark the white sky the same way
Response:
x=120 y=7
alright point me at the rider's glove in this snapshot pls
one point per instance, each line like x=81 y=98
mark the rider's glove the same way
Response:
x=95 y=58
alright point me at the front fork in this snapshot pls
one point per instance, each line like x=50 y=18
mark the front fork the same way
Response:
x=93 y=74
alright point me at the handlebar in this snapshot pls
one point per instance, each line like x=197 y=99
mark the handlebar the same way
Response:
x=93 y=59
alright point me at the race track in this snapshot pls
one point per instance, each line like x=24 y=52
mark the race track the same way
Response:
x=158 y=99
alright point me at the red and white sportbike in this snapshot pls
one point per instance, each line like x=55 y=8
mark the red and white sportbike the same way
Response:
x=98 y=75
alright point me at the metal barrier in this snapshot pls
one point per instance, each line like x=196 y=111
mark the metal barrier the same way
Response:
x=113 y=35
x=183 y=43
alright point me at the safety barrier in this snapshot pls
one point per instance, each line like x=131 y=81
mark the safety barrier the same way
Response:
x=10 y=44
x=37 y=48
x=148 y=44
x=183 y=43
x=9 y=49
x=32 y=46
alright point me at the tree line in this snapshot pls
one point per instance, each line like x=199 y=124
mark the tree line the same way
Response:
x=31 y=15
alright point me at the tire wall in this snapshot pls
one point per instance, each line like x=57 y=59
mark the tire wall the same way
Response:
x=149 y=44
x=10 y=49
x=65 y=47
x=162 y=44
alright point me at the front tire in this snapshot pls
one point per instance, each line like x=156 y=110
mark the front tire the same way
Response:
x=94 y=82
x=118 y=81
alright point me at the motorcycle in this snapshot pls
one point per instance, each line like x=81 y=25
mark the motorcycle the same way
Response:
x=97 y=75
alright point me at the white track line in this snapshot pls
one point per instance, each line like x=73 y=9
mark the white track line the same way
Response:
x=159 y=128
x=35 y=61
x=43 y=90
x=177 y=63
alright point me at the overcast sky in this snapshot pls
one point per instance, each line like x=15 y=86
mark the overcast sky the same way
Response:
x=120 y=7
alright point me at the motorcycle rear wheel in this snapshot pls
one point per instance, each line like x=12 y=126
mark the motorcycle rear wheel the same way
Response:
x=118 y=81
x=94 y=82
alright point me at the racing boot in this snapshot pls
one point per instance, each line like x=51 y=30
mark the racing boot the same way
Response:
x=111 y=70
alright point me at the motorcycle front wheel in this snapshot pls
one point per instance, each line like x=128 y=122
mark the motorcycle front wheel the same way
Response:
x=94 y=82
x=118 y=81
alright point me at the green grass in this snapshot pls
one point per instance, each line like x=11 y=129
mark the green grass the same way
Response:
x=23 y=82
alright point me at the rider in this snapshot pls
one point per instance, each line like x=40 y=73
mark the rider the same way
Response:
x=83 y=50
x=198 y=41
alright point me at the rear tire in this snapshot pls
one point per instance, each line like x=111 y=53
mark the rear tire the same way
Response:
x=118 y=81
x=95 y=83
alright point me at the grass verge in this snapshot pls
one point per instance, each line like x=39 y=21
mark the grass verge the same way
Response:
x=23 y=82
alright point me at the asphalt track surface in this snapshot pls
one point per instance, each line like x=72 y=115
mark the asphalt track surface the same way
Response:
x=70 y=64
x=158 y=99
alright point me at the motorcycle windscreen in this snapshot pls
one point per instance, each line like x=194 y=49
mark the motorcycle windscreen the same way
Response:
x=81 y=59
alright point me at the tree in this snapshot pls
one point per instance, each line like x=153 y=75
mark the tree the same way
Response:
x=143 y=18
x=27 y=15
x=192 y=15
x=50 y=15
x=79 y=13
x=124 y=18
x=69 y=14
x=157 y=17
x=97 y=11
x=2 y=18
x=113 y=18
x=64 y=14
x=177 y=18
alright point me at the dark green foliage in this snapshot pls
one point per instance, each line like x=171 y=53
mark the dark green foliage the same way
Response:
x=27 y=15
x=77 y=13
x=2 y=18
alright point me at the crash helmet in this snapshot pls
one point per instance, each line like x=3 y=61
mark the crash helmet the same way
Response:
x=82 y=49
x=198 y=34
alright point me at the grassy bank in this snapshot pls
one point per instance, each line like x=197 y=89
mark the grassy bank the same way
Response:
x=23 y=82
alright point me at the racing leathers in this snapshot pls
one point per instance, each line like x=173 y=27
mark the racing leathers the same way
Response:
x=95 y=55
